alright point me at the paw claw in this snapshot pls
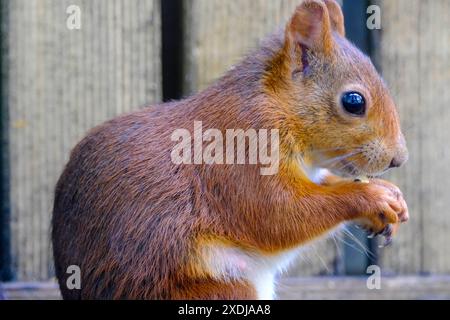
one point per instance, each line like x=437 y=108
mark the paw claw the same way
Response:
x=389 y=240
x=387 y=232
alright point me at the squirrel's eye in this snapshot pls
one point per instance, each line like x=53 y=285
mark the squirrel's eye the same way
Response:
x=354 y=103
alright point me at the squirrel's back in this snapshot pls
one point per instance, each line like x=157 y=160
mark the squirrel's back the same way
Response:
x=114 y=209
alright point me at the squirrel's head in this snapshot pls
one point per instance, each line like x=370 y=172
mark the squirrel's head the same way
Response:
x=346 y=116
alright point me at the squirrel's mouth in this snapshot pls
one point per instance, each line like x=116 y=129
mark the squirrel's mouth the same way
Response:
x=347 y=167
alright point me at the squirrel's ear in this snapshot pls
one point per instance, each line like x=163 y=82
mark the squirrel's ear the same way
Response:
x=336 y=16
x=310 y=27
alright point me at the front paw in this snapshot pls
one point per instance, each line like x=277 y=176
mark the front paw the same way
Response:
x=384 y=210
x=398 y=195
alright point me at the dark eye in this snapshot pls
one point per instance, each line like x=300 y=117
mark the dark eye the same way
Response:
x=354 y=103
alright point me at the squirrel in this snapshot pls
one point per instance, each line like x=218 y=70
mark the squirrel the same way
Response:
x=141 y=227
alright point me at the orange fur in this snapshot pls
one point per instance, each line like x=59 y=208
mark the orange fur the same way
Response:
x=137 y=224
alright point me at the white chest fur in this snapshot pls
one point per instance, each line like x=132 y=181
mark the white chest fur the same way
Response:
x=316 y=175
x=229 y=263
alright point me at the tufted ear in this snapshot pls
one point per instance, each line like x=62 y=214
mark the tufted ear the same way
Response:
x=310 y=25
x=309 y=30
x=336 y=16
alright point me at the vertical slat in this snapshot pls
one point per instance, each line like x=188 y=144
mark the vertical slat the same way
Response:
x=399 y=60
x=414 y=57
x=217 y=34
x=5 y=228
x=434 y=74
x=62 y=83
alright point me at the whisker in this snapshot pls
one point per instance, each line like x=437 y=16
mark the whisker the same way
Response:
x=345 y=166
x=338 y=158
x=368 y=164
x=338 y=247
x=328 y=150
x=366 y=251
x=362 y=251
x=321 y=259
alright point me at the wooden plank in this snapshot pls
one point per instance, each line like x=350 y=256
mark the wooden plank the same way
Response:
x=61 y=83
x=398 y=59
x=217 y=34
x=29 y=291
x=346 y=288
x=317 y=288
x=413 y=55
x=434 y=75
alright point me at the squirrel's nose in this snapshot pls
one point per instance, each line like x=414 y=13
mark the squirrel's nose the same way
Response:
x=399 y=160
x=401 y=155
x=395 y=164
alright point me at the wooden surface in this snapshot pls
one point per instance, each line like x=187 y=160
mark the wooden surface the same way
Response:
x=218 y=33
x=323 y=288
x=395 y=288
x=29 y=291
x=61 y=83
x=414 y=56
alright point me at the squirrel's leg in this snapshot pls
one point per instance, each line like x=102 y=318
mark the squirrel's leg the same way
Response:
x=331 y=179
x=277 y=219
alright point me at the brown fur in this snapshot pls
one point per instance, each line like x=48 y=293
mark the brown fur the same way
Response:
x=133 y=221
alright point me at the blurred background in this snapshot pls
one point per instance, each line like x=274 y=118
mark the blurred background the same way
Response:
x=60 y=78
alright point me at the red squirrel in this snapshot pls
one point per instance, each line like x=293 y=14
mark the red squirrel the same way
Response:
x=141 y=227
